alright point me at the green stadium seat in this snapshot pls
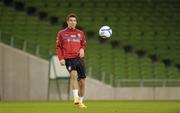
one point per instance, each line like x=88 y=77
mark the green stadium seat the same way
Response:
x=155 y=29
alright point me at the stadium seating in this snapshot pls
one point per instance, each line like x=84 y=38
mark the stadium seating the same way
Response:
x=152 y=26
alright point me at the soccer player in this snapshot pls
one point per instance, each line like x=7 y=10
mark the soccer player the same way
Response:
x=70 y=47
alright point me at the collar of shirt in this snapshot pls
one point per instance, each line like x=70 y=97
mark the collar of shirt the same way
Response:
x=70 y=29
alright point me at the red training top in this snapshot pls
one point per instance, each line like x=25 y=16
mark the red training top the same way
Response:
x=69 y=42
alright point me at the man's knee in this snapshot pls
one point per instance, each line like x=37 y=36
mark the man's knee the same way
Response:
x=74 y=74
x=82 y=82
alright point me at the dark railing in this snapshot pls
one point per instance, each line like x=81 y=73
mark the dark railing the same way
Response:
x=30 y=47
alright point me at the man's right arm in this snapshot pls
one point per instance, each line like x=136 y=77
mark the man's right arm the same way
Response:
x=59 y=48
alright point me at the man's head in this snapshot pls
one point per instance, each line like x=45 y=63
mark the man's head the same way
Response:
x=72 y=20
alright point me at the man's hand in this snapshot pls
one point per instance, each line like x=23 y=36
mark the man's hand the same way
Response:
x=81 y=53
x=62 y=62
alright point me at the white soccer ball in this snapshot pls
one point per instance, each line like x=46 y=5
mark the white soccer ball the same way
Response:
x=105 y=32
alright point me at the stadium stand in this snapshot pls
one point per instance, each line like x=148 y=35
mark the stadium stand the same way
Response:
x=151 y=26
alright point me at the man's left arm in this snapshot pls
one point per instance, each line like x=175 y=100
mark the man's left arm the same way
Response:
x=83 y=46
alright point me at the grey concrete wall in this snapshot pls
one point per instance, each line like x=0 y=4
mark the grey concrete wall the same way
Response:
x=1 y=71
x=16 y=84
x=25 y=77
x=145 y=93
x=133 y=93
x=98 y=90
x=38 y=78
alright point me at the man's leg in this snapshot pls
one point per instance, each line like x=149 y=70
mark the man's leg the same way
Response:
x=81 y=93
x=81 y=89
x=82 y=76
x=74 y=86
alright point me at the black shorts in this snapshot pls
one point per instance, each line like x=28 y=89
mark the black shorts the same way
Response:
x=78 y=65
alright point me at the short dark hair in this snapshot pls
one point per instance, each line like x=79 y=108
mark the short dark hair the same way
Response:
x=71 y=15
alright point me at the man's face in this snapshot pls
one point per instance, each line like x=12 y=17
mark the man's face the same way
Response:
x=72 y=22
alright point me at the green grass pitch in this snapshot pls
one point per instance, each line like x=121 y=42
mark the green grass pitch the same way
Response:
x=93 y=107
